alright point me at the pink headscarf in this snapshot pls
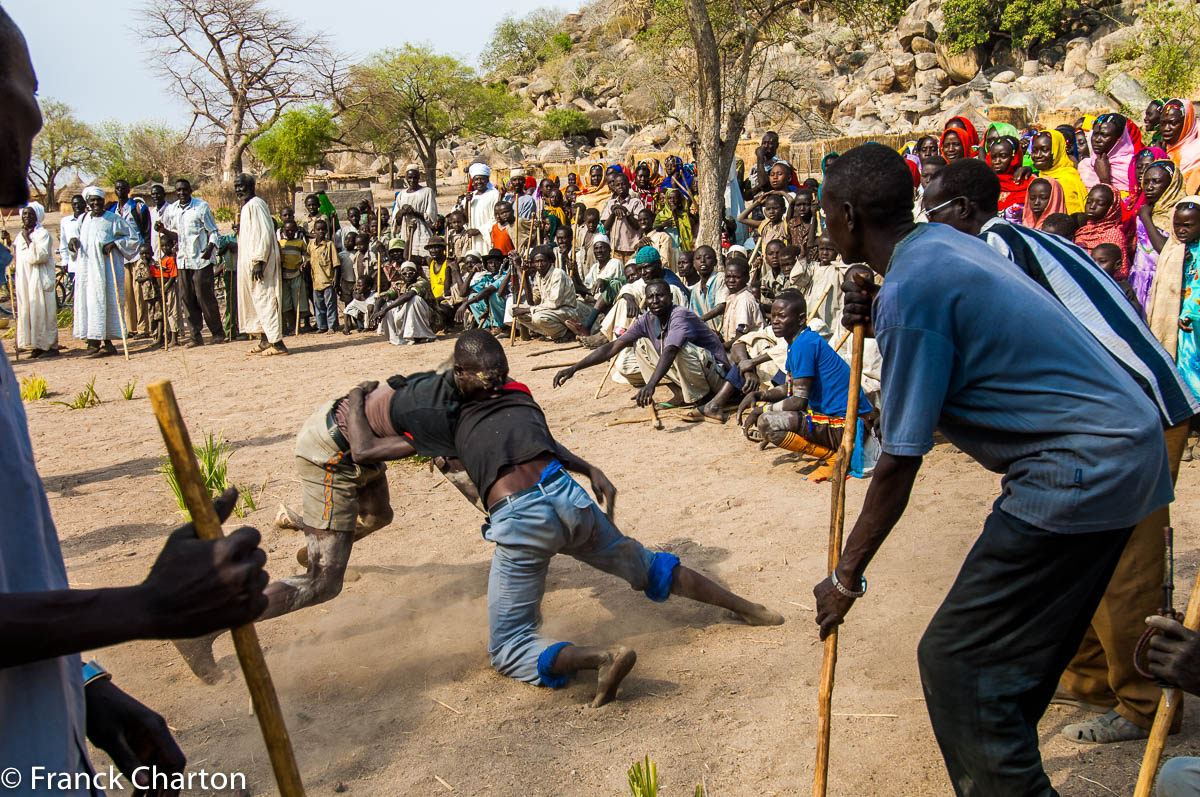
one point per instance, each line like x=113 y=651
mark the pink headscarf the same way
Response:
x=1186 y=151
x=1120 y=161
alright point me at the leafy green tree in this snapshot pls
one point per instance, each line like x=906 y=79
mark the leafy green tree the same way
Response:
x=972 y=23
x=1168 y=37
x=518 y=45
x=296 y=142
x=117 y=157
x=415 y=99
x=143 y=151
x=64 y=143
x=562 y=122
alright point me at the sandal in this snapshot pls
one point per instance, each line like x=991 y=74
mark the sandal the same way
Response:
x=696 y=416
x=271 y=351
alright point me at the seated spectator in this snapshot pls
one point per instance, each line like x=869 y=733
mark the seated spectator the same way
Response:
x=553 y=296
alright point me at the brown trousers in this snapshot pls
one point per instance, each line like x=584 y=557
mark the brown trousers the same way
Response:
x=1102 y=671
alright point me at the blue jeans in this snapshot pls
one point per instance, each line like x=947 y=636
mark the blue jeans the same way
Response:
x=558 y=517
x=325 y=300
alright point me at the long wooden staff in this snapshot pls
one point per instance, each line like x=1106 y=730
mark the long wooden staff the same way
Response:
x=612 y=362
x=162 y=294
x=112 y=269
x=1168 y=707
x=512 y=331
x=817 y=305
x=837 y=518
x=245 y=639
x=12 y=292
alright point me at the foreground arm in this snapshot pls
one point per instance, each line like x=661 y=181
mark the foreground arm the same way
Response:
x=365 y=447
x=602 y=354
x=665 y=360
x=194 y=587
x=606 y=494
x=886 y=500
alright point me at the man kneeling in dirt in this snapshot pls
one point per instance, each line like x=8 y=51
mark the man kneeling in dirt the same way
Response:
x=536 y=510
x=340 y=456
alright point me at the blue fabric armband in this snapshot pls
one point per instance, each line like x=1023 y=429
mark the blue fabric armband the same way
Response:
x=93 y=671
x=545 y=667
x=661 y=576
x=551 y=469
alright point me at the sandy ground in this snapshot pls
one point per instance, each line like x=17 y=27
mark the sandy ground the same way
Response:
x=387 y=688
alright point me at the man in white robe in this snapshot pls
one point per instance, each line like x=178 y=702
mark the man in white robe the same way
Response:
x=68 y=230
x=100 y=280
x=414 y=212
x=404 y=312
x=33 y=291
x=480 y=209
x=259 y=280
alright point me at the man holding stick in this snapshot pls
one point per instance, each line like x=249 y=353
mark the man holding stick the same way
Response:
x=193 y=587
x=259 y=281
x=977 y=351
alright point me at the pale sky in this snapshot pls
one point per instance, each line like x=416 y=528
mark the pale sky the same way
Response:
x=87 y=55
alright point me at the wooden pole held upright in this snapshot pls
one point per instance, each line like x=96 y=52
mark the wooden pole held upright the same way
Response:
x=245 y=640
x=112 y=269
x=1168 y=706
x=841 y=468
x=12 y=292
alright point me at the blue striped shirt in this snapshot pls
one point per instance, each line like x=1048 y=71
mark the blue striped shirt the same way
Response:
x=1094 y=298
x=973 y=348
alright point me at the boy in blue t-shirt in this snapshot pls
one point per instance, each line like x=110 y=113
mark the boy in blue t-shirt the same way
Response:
x=807 y=414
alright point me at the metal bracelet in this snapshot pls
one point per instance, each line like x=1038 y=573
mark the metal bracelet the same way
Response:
x=847 y=592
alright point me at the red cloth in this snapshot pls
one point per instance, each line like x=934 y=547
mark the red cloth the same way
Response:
x=517 y=386
x=916 y=172
x=1012 y=190
x=1108 y=230
x=166 y=269
x=501 y=239
x=966 y=134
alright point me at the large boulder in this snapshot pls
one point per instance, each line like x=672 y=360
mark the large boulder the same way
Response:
x=851 y=103
x=910 y=28
x=925 y=61
x=882 y=79
x=1007 y=76
x=1077 y=57
x=617 y=126
x=1123 y=88
x=961 y=67
x=905 y=67
x=1119 y=39
x=1088 y=101
x=920 y=44
x=553 y=151
x=583 y=104
x=1025 y=101
x=600 y=116
x=933 y=79
x=543 y=85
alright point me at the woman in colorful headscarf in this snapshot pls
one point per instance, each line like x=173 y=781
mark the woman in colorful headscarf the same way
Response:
x=677 y=174
x=993 y=132
x=1068 y=134
x=644 y=186
x=966 y=134
x=1103 y=225
x=1003 y=157
x=33 y=293
x=1113 y=148
x=1163 y=189
x=1050 y=159
x=927 y=147
x=1044 y=198
x=1173 y=312
x=1181 y=138
x=1150 y=119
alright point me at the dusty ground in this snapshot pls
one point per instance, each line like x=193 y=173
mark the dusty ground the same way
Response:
x=388 y=688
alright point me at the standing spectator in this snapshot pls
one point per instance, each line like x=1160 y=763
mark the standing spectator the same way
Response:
x=192 y=220
x=33 y=293
x=619 y=217
x=101 y=276
x=137 y=216
x=414 y=212
x=258 y=274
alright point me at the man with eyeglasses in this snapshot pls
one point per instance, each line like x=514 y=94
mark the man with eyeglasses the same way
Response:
x=965 y=195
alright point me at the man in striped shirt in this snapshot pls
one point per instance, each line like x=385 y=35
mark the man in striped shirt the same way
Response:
x=1102 y=676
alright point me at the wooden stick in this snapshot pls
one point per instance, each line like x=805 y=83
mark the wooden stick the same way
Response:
x=548 y=367
x=112 y=269
x=841 y=340
x=245 y=640
x=12 y=293
x=818 y=303
x=624 y=421
x=1168 y=706
x=654 y=414
x=552 y=351
x=512 y=330
x=837 y=518
x=607 y=373
x=162 y=294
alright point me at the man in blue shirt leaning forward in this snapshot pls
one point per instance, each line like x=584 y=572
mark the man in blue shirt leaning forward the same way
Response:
x=973 y=348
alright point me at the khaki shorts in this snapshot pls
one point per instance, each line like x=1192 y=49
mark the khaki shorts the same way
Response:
x=329 y=478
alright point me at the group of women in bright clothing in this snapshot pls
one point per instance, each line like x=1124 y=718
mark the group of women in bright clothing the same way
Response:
x=1107 y=183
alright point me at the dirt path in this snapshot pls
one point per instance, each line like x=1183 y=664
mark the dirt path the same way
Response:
x=388 y=688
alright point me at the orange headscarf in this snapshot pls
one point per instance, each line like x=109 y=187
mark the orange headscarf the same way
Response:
x=1057 y=204
x=1186 y=151
x=966 y=134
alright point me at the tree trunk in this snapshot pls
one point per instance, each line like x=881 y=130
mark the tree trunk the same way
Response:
x=51 y=192
x=231 y=161
x=430 y=165
x=710 y=187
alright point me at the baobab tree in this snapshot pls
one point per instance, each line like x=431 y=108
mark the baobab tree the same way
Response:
x=238 y=64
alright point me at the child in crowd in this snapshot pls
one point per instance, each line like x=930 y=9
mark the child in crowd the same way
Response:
x=659 y=239
x=1062 y=224
x=149 y=291
x=504 y=231
x=1103 y=225
x=323 y=260
x=457 y=240
x=166 y=274
x=358 y=309
x=773 y=226
x=1111 y=260
x=292 y=257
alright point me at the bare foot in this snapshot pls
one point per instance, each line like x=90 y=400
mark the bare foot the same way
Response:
x=287 y=519
x=761 y=615
x=198 y=655
x=610 y=674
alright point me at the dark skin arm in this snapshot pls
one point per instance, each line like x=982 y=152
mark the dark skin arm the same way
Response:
x=645 y=396
x=713 y=313
x=606 y=493
x=1174 y=654
x=797 y=402
x=365 y=447
x=887 y=498
x=597 y=356
x=859 y=291
x=131 y=734
x=1157 y=239
x=194 y=587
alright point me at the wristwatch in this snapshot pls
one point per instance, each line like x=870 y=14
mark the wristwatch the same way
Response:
x=92 y=671
x=849 y=593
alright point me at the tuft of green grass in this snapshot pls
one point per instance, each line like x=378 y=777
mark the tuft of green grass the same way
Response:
x=643 y=779
x=213 y=457
x=65 y=318
x=33 y=388
x=84 y=398
x=127 y=389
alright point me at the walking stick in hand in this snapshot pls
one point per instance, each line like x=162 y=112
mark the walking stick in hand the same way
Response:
x=112 y=269
x=245 y=639
x=16 y=324
x=841 y=467
x=1168 y=706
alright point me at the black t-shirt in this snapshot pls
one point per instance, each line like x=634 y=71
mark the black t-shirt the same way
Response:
x=425 y=408
x=497 y=432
